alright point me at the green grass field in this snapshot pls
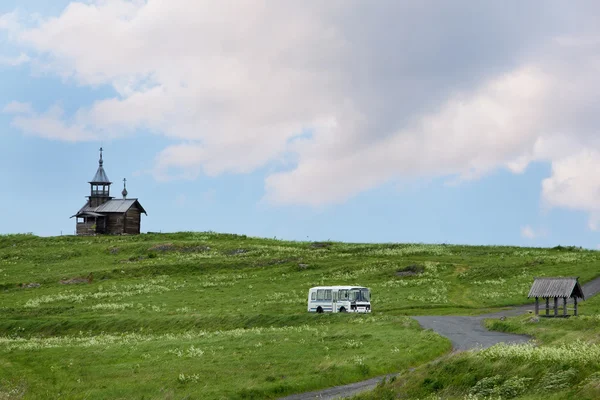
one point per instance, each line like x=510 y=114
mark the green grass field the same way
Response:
x=211 y=316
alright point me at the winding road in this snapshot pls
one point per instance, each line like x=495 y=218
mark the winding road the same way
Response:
x=465 y=333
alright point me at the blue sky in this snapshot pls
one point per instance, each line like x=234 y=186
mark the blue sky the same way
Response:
x=393 y=123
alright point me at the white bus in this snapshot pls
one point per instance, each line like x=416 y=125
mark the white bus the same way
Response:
x=339 y=299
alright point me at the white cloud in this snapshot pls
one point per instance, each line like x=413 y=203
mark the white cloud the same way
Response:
x=15 y=61
x=17 y=107
x=9 y=21
x=49 y=125
x=575 y=184
x=9 y=24
x=469 y=136
x=385 y=96
x=528 y=232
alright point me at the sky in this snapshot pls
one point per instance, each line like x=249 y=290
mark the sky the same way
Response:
x=392 y=121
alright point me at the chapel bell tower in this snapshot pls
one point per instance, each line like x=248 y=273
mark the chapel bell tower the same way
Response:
x=99 y=186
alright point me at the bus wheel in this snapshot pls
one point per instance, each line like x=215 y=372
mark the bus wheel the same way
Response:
x=319 y=310
x=342 y=309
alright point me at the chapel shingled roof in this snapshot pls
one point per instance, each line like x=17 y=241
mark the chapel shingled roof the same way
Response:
x=111 y=206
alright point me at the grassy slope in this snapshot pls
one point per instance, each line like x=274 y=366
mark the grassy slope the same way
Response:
x=562 y=362
x=181 y=314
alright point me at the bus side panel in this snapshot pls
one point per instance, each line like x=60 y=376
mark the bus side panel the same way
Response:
x=326 y=305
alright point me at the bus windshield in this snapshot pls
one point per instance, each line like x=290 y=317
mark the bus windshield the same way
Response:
x=360 y=295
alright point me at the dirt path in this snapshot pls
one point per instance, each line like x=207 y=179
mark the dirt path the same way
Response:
x=465 y=333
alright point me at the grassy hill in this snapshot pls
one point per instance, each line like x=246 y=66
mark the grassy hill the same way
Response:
x=206 y=315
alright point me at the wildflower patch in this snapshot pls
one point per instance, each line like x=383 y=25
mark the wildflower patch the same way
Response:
x=577 y=352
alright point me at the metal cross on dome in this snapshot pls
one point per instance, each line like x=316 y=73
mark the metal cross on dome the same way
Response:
x=124 y=192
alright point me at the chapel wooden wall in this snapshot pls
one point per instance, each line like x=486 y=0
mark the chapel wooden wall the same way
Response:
x=132 y=221
x=86 y=227
x=98 y=201
x=128 y=222
x=114 y=223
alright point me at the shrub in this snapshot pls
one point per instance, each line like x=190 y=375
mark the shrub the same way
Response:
x=486 y=386
x=557 y=380
x=513 y=387
x=412 y=269
x=494 y=386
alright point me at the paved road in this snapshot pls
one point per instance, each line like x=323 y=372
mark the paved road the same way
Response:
x=339 y=392
x=465 y=333
x=591 y=288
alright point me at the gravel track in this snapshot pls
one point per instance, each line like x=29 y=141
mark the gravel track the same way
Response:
x=465 y=333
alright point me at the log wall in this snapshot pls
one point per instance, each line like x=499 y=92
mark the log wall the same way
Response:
x=132 y=221
x=114 y=224
x=98 y=201
x=87 y=227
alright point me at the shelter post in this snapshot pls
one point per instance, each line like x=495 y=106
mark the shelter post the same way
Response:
x=564 y=306
x=575 y=306
x=537 y=306
x=547 y=306
x=556 y=306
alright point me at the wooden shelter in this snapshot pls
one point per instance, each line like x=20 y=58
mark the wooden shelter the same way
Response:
x=556 y=288
x=103 y=214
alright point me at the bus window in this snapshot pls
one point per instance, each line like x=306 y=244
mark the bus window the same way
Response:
x=366 y=294
x=360 y=295
x=328 y=294
x=313 y=296
x=320 y=294
x=343 y=294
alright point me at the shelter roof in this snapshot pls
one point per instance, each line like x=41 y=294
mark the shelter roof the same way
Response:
x=338 y=287
x=556 y=287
